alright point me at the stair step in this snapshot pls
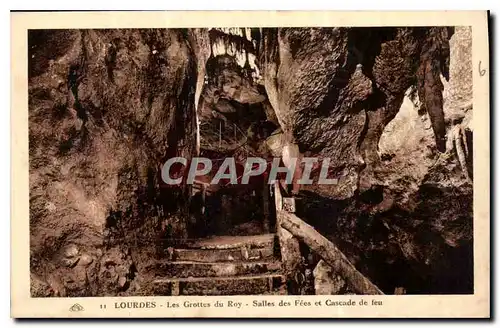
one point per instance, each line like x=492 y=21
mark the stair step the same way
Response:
x=240 y=285
x=185 y=269
x=224 y=255
x=228 y=248
x=231 y=242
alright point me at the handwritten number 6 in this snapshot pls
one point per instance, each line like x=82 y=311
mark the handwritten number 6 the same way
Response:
x=481 y=71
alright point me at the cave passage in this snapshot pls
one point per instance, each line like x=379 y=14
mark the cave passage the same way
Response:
x=236 y=211
x=108 y=106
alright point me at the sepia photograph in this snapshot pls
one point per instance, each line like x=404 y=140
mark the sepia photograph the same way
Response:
x=251 y=161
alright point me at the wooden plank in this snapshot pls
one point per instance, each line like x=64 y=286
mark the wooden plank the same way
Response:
x=329 y=253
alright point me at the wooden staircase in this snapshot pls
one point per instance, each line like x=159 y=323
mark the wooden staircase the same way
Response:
x=253 y=265
x=222 y=265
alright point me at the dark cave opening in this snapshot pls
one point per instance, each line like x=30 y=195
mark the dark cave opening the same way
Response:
x=427 y=263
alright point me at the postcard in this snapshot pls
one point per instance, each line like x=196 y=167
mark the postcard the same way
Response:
x=250 y=164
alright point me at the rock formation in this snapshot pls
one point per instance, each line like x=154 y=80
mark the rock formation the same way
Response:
x=105 y=108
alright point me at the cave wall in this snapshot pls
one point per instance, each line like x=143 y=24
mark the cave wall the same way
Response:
x=105 y=108
x=382 y=104
x=335 y=89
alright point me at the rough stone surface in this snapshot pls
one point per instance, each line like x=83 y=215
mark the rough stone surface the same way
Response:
x=326 y=282
x=413 y=216
x=105 y=108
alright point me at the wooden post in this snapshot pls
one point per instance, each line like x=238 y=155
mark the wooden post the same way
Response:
x=265 y=206
x=289 y=245
x=277 y=197
x=224 y=223
x=329 y=253
x=175 y=288
x=203 y=199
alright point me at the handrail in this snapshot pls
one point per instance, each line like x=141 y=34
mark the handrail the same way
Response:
x=324 y=248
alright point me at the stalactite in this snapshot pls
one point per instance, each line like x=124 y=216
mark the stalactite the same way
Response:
x=240 y=43
x=245 y=34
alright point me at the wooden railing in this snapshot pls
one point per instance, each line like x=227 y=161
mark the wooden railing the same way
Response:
x=291 y=229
